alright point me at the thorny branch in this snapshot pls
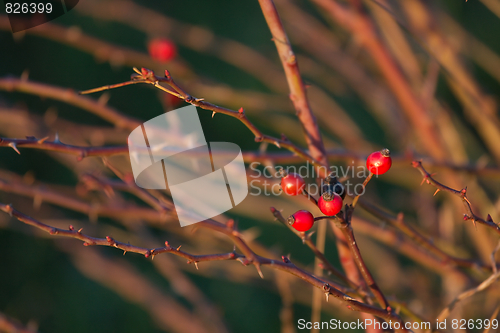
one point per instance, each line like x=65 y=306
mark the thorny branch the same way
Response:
x=343 y=222
x=248 y=256
x=306 y=239
x=249 y=156
x=399 y=223
x=10 y=325
x=462 y=194
x=147 y=76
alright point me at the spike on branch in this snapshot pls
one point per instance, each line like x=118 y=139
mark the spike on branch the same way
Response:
x=14 y=146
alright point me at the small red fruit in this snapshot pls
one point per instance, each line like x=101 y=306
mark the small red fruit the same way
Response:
x=379 y=162
x=162 y=49
x=301 y=220
x=330 y=203
x=292 y=184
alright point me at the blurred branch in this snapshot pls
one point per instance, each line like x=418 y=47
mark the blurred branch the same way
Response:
x=71 y=97
x=399 y=223
x=8 y=325
x=303 y=111
x=361 y=26
x=462 y=194
x=466 y=294
x=306 y=239
x=395 y=240
x=296 y=85
x=93 y=210
x=248 y=156
x=344 y=224
x=58 y=146
x=132 y=285
x=248 y=257
x=108 y=241
x=315 y=38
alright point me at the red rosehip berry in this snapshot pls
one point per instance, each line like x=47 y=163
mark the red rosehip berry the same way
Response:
x=162 y=49
x=292 y=184
x=379 y=162
x=301 y=220
x=330 y=203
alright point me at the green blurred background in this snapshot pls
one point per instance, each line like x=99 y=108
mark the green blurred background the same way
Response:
x=38 y=280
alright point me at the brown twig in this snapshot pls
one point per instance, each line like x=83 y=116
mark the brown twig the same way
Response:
x=343 y=222
x=108 y=241
x=147 y=76
x=400 y=224
x=361 y=26
x=365 y=182
x=249 y=156
x=462 y=194
x=306 y=239
x=9 y=325
x=296 y=85
x=248 y=257
x=71 y=97
x=466 y=294
x=43 y=194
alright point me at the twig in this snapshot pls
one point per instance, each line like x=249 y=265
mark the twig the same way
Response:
x=147 y=76
x=246 y=258
x=466 y=294
x=71 y=97
x=343 y=222
x=493 y=261
x=462 y=194
x=108 y=241
x=9 y=325
x=356 y=198
x=361 y=26
x=248 y=156
x=306 y=239
x=399 y=223
x=129 y=211
x=295 y=83
x=493 y=316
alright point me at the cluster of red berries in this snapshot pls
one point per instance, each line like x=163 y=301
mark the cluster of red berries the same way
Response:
x=332 y=191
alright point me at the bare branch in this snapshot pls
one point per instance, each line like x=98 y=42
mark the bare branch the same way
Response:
x=462 y=194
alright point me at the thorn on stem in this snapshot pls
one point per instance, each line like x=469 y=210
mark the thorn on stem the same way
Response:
x=42 y=140
x=14 y=146
x=436 y=192
x=257 y=266
x=196 y=264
